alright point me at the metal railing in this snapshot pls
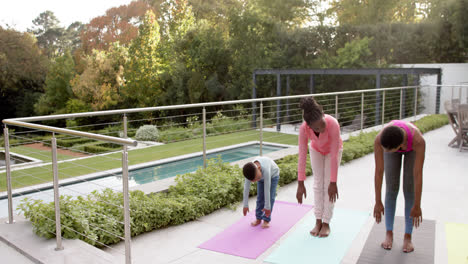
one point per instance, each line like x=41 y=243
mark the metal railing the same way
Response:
x=259 y=119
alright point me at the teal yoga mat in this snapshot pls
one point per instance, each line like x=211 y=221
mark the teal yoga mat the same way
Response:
x=300 y=247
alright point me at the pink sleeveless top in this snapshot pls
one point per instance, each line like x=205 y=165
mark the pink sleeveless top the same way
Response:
x=409 y=143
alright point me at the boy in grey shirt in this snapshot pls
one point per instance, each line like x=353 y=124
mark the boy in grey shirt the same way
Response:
x=265 y=173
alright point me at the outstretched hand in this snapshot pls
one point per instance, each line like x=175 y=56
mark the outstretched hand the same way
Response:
x=416 y=215
x=378 y=211
x=333 y=192
x=246 y=210
x=301 y=190
x=267 y=212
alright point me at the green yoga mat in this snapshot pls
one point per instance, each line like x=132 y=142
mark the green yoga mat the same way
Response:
x=423 y=241
x=300 y=247
x=457 y=243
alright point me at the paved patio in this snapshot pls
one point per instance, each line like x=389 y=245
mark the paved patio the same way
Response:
x=445 y=193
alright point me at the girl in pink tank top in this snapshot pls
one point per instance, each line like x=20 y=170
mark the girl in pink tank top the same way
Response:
x=399 y=147
x=409 y=134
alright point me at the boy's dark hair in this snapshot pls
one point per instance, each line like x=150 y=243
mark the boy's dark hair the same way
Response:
x=312 y=110
x=391 y=137
x=249 y=171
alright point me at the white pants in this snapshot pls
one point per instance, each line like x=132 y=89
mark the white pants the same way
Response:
x=323 y=208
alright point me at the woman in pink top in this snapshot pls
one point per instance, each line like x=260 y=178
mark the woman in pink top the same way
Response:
x=397 y=140
x=326 y=148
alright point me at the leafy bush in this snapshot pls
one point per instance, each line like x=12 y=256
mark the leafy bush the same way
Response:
x=431 y=122
x=98 y=216
x=219 y=125
x=174 y=134
x=72 y=141
x=93 y=148
x=147 y=133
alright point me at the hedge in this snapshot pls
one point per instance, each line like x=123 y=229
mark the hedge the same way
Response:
x=194 y=195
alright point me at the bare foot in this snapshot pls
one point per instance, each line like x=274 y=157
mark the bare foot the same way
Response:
x=325 y=230
x=318 y=225
x=407 y=244
x=387 y=244
x=256 y=222
x=265 y=224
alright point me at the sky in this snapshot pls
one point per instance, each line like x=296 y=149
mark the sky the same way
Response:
x=19 y=14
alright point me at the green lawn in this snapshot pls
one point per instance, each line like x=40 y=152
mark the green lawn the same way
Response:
x=44 y=155
x=42 y=174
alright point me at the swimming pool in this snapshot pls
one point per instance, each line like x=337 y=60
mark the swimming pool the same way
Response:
x=141 y=175
x=171 y=169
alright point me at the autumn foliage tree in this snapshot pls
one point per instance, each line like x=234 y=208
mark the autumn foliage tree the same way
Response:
x=118 y=24
x=98 y=87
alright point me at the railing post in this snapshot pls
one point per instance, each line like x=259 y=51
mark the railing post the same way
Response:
x=439 y=84
x=278 y=103
x=377 y=100
x=403 y=94
x=383 y=108
x=460 y=94
x=401 y=102
x=254 y=104
x=415 y=102
x=126 y=204
x=128 y=258
x=58 y=226
x=362 y=111
x=287 y=100
x=8 y=176
x=204 y=137
x=125 y=126
x=261 y=128
x=336 y=106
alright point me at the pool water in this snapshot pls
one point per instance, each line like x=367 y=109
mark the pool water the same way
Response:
x=167 y=170
x=13 y=159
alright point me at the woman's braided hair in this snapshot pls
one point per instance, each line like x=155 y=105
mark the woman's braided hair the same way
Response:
x=312 y=110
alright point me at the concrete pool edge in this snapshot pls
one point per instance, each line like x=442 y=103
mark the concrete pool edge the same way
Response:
x=32 y=161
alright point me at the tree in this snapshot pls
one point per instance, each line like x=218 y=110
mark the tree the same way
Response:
x=48 y=33
x=355 y=54
x=359 y=12
x=118 y=24
x=292 y=13
x=52 y=38
x=203 y=59
x=57 y=86
x=99 y=86
x=143 y=74
x=23 y=68
x=72 y=37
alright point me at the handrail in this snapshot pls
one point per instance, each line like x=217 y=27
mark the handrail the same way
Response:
x=121 y=141
x=24 y=121
x=157 y=108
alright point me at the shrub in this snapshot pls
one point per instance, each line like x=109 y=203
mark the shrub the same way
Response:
x=98 y=216
x=72 y=141
x=147 y=133
x=174 y=134
x=93 y=148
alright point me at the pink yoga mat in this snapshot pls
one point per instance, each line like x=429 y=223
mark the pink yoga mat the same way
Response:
x=246 y=241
